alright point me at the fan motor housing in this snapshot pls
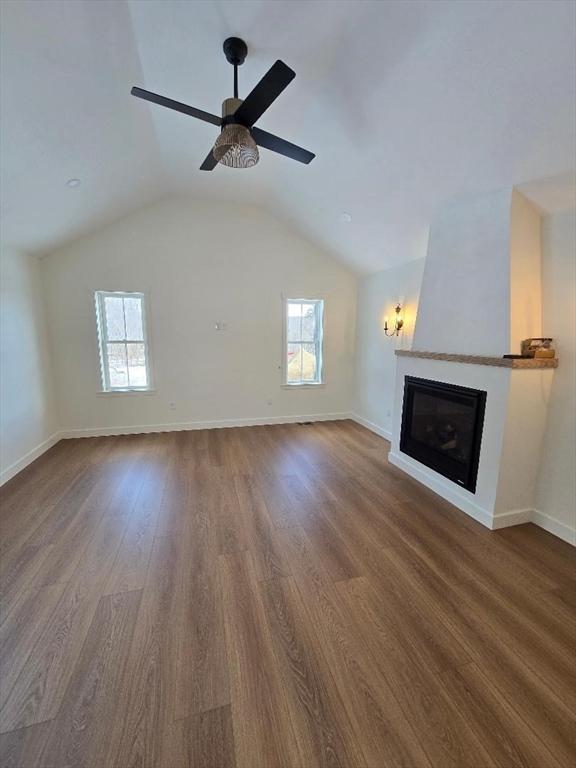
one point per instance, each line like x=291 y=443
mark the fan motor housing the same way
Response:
x=229 y=107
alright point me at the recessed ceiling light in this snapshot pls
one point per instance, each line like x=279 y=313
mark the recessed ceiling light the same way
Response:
x=73 y=183
x=347 y=217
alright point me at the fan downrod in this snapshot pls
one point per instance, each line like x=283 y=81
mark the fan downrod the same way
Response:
x=235 y=50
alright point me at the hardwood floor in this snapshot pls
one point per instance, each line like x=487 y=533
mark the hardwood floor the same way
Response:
x=273 y=596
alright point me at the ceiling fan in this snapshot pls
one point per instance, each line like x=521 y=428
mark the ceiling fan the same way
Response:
x=239 y=139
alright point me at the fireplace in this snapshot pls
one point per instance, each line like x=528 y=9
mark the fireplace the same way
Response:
x=442 y=428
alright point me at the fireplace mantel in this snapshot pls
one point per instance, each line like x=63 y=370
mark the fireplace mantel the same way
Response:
x=500 y=362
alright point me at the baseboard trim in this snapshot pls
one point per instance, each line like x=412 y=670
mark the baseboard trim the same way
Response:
x=514 y=517
x=376 y=428
x=550 y=524
x=29 y=457
x=494 y=522
x=194 y=425
x=442 y=489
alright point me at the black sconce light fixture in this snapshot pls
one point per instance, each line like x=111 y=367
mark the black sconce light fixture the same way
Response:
x=398 y=323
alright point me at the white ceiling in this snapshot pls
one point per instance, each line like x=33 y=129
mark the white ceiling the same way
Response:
x=406 y=104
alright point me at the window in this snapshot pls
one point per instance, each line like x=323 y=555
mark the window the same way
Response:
x=122 y=334
x=303 y=341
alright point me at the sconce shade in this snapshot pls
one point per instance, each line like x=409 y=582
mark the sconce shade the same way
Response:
x=235 y=147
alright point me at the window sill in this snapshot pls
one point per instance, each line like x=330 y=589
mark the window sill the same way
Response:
x=104 y=392
x=310 y=385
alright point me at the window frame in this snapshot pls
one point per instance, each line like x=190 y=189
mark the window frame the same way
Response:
x=319 y=305
x=103 y=341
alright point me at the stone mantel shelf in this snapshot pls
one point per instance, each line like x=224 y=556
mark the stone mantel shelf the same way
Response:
x=500 y=362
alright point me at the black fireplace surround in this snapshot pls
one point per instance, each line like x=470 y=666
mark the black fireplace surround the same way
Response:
x=442 y=428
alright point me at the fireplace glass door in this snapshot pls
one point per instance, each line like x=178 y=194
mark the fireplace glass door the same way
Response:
x=442 y=428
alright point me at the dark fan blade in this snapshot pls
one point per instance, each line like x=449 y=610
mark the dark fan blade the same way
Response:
x=268 y=89
x=171 y=104
x=210 y=163
x=269 y=141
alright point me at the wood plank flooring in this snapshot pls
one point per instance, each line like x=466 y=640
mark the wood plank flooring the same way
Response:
x=273 y=597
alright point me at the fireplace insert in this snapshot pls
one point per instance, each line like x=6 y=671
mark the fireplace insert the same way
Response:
x=442 y=428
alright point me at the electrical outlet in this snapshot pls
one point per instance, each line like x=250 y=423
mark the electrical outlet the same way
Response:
x=269 y=402
x=172 y=406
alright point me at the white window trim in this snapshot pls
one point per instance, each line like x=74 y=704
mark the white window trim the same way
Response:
x=320 y=303
x=107 y=389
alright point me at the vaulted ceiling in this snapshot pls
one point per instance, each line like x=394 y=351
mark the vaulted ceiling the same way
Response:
x=406 y=104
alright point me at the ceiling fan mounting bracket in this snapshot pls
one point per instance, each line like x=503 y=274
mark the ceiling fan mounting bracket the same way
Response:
x=235 y=50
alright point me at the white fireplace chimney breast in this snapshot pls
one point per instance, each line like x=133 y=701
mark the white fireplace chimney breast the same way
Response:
x=481 y=290
x=481 y=295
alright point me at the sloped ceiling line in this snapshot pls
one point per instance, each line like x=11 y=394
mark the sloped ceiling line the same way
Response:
x=405 y=104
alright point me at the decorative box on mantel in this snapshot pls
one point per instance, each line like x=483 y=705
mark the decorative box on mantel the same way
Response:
x=481 y=292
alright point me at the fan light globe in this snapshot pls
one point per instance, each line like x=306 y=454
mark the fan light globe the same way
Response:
x=235 y=147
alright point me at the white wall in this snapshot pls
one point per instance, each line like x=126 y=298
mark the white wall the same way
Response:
x=27 y=415
x=525 y=272
x=524 y=429
x=556 y=489
x=199 y=263
x=378 y=294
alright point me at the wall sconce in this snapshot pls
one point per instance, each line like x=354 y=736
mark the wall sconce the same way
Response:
x=398 y=323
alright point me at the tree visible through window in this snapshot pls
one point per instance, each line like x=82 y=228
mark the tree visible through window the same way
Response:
x=122 y=335
x=303 y=332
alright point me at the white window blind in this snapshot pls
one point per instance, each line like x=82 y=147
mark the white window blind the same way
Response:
x=124 y=359
x=303 y=321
